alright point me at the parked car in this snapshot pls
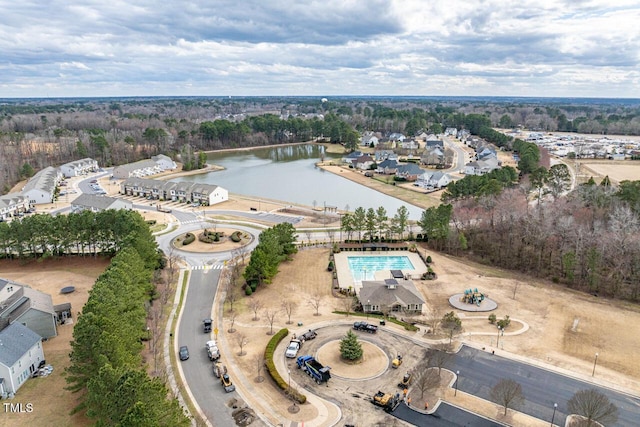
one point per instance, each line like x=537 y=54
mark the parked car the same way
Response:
x=309 y=335
x=184 y=352
x=364 y=326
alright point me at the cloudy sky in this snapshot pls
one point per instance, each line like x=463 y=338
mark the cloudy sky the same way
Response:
x=576 y=48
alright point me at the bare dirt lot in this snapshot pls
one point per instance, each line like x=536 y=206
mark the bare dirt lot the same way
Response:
x=566 y=330
x=52 y=404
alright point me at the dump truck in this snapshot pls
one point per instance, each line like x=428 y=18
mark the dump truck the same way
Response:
x=388 y=402
x=212 y=350
x=314 y=369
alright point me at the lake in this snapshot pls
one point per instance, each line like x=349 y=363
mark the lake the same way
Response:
x=289 y=174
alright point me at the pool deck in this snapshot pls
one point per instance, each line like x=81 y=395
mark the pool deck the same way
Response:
x=345 y=279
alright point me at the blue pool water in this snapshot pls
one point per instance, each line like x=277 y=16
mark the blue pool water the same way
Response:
x=364 y=267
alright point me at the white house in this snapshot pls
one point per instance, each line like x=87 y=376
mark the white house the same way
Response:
x=41 y=187
x=136 y=169
x=205 y=194
x=94 y=203
x=433 y=179
x=13 y=203
x=369 y=139
x=20 y=356
x=164 y=162
x=483 y=166
x=79 y=167
x=28 y=306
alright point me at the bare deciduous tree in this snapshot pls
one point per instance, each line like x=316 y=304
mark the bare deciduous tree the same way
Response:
x=241 y=340
x=232 y=319
x=259 y=361
x=315 y=302
x=289 y=306
x=434 y=318
x=427 y=379
x=254 y=305
x=508 y=394
x=594 y=406
x=270 y=314
x=347 y=304
x=438 y=356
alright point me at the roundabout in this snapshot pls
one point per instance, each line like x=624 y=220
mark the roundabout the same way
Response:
x=225 y=243
x=373 y=363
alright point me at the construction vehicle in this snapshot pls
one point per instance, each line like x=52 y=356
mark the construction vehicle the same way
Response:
x=314 y=369
x=406 y=380
x=395 y=363
x=388 y=402
x=226 y=383
x=219 y=369
x=212 y=350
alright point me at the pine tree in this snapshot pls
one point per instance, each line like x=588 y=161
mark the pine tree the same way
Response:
x=350 y=347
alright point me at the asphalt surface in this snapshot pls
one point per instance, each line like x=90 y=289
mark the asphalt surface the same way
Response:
x=481 y=370
x=445 y=416
x=198 y=370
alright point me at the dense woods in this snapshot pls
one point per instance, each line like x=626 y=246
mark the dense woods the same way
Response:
x=106 y=362
x=38 y=133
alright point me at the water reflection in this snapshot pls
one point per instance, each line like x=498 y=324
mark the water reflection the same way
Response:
x=289 y=174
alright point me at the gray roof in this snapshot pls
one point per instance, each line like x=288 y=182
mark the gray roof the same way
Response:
x=410 y=169
x=15 y=340
x=93 y=201
x=87 y=161
x=44 y=180
x=24 y=299
x=142 y=164
x=404 y=292
x=11 y=199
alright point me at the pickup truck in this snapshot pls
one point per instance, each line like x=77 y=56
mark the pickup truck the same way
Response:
x=293 y=348
x=364 y=326
x=212 y=350
x=309 y=335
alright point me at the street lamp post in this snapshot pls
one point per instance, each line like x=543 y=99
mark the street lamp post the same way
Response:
x=498 y=339
x=289 y=372
x=455 y=393
x=368 y=308
x=555 y=406
x=594 y=365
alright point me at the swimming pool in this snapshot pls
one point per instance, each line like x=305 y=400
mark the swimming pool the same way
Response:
x=364 y=267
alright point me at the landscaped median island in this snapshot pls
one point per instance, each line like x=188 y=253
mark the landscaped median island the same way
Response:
x=218 y=239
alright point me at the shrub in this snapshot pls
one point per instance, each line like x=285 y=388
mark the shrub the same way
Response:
x=151 y=222
x=429 y=261
x=502 y=324
x=248 y=291
x=492 y=319
x=235 y=236
x=188 y=239
x=271 y=366
x=330 y=266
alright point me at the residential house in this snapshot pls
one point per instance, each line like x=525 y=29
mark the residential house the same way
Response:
x=451 y=131
x=398 y=137
x=481 y=167
x=94 y=203
x=409 y=171
x=388 y=167
x=363 y=162
x=351 y=157
x=422 y=136
x=206 y=194
x=390 y=295
x=381 y=155
x=410 y=145
x=432 y=156
x=20 y=356
x=32 y=308
x=12 y=204
x=369 y=139
x=41 y=187
x=137 y=169
x=164 y=162
x=431 y=179
x=435 y=143
x=79 y=167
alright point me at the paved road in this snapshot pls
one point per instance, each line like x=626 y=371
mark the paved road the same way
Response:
x=445 y=416
x=480 y=370
x=198 y=373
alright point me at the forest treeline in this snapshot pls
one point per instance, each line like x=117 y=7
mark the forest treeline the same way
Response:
x=39 y=133
x=107 y=368
x=588 y=239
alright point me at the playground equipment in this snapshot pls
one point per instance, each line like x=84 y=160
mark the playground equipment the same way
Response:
x=473 y=296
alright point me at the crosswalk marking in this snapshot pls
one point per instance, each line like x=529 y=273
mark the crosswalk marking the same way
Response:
x=206 y=267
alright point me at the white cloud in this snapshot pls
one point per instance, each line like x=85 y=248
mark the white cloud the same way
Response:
x=379 y=47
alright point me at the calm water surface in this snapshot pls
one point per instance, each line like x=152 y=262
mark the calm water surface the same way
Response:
x=289 y=174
